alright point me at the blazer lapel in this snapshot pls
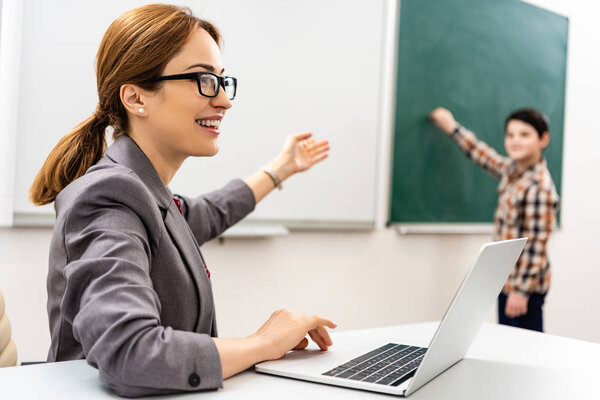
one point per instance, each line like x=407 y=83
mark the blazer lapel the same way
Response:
x=185 y=243
x=126 y=152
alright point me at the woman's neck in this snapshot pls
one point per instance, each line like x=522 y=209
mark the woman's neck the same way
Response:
x=166 y=165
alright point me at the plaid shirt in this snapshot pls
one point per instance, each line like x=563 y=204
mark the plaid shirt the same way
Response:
x=527 y=206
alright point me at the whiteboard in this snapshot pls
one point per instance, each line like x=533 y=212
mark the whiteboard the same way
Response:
x=304 y=65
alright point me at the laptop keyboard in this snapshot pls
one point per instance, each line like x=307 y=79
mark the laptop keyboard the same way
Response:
x=389 y=365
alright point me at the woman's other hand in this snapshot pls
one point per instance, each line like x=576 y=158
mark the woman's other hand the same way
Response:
x=283 y=331
x=286 y=330
x=443 y=119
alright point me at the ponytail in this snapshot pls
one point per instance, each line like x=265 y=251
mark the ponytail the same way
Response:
x=71 y=157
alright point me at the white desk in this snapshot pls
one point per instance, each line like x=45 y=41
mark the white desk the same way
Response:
x=503 y=363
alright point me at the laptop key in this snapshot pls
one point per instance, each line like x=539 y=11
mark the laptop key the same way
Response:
x=349 y=364
x=374 y=377
x=347 y=374
x=370 y=354
x=334 y=371
x=359 y=377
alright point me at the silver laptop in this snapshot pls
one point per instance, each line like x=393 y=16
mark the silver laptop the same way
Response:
x=402 y=369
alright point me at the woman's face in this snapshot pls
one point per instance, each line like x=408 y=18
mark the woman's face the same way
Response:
x=177 y=114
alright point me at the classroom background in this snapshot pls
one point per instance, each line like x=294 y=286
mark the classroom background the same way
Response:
x=360 y=278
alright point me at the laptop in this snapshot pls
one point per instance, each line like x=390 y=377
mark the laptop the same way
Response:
x=401 y=369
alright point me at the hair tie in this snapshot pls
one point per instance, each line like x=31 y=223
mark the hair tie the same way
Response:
x=99 y=113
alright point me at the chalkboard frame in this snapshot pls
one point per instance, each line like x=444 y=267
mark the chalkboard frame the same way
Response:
x=432 y=182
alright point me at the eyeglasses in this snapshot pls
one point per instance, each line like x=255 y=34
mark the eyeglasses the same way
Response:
x=208 y=83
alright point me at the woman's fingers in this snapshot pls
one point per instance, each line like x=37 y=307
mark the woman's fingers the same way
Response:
x=301 y=136
x=319 y=149
x=318 y=333
x=320 y=321
x=317 y=339
x=321 y=337
x=289 y=329
x=302 y=345
x=315 y=146
x=325 y=335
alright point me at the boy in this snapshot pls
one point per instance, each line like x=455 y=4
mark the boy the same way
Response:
x=527 y=206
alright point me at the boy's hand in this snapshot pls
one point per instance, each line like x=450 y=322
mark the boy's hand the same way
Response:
x=516 y=305
x=444 y=119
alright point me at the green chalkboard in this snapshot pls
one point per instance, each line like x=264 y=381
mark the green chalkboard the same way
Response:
x=481 y=59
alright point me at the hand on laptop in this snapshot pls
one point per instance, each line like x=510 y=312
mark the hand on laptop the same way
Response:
x=286 y=330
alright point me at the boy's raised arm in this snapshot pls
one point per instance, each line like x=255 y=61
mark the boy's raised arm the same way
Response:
x=478 y=151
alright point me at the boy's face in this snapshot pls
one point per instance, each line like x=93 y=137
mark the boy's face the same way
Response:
x=522 y=142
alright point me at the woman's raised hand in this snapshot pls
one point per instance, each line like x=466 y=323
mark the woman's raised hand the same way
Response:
x=286 y=330
x=300 y=152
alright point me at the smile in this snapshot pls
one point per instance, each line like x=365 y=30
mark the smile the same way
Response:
x=212 y=123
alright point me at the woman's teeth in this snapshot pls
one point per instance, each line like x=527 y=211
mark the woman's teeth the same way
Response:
x=209 y=122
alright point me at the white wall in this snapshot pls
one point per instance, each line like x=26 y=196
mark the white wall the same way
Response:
x=10 y=61
x=366 y=279
x=573 y=307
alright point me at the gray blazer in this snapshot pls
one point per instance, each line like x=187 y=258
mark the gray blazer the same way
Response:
x=127 y=288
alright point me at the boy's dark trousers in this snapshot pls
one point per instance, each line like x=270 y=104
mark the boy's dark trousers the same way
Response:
x=532 y=320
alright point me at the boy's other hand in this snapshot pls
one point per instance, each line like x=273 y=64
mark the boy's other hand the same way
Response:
x=516 y=305
x=443 y=119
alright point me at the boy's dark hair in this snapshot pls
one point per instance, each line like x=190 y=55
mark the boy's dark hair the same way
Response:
x=533 y=117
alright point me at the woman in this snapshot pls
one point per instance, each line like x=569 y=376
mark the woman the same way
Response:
x=128 y=288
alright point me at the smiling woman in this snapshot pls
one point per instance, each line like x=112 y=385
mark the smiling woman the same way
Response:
x=128 y=288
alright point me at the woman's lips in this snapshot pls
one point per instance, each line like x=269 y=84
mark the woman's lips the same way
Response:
x=210 y=124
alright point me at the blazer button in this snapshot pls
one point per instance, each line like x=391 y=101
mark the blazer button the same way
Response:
x=194 y=380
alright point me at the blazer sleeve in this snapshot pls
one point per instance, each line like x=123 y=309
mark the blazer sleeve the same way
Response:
x=110 y=302
x=211 y=214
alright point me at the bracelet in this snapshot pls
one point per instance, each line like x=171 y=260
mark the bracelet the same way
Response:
x=273 y=175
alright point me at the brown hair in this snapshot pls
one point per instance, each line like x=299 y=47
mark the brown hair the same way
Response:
x=136 y=47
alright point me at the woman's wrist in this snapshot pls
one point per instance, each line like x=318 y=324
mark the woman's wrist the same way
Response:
x=261 y=347
x=238 y=354
x=282 y=168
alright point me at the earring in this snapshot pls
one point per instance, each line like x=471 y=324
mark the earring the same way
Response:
x=141 y=110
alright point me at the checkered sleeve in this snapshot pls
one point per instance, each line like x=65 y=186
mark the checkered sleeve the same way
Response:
x=531 y=274
x=480 y=152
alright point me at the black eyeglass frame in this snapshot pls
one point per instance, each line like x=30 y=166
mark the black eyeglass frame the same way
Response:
x=196 y=77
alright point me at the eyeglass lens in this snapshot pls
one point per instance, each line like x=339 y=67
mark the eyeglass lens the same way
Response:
x=209 y=86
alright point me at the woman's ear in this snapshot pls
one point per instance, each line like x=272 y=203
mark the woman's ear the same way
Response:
x=132 y=99
x=545 y=139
